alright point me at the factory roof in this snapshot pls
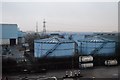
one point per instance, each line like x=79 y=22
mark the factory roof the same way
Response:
x=54 y=40
x=9 y=24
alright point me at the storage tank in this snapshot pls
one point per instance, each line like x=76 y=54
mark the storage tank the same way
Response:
x=111 y=62
x=54 y=46
x=97 y=46
x=85 y=58
x=86 y=65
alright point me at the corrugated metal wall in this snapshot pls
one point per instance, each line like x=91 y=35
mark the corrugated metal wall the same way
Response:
x=9 y=31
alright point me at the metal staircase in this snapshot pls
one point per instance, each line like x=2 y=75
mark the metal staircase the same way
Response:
x=51 y=50
x=96 y=50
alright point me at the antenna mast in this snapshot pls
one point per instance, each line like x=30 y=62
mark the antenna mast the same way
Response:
x=44 y=27
x=36 y=27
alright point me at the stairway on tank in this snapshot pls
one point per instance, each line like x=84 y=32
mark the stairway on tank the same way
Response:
x=52 y=49
x=98 y=48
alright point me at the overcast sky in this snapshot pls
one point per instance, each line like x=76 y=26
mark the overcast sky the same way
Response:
x=62 y=16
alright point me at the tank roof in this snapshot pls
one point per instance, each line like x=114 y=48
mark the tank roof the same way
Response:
x=54 y=40
x=96 y=39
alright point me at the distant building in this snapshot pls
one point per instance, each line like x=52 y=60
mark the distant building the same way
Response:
x=9 y=34
x=21 y=38
x=106 y=34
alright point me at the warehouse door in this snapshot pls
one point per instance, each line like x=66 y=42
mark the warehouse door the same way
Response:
x=12 y=42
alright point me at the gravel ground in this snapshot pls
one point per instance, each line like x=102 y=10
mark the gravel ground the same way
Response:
x=87 y=74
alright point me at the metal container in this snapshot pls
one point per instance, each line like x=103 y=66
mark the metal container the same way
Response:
x=111 y=62
x=86 y=65
x=85 y=58
x=54 y=47
x=97 y=46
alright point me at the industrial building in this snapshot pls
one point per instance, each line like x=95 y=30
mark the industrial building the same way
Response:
x=21 y=38
x=54 y=46
x=9 y=34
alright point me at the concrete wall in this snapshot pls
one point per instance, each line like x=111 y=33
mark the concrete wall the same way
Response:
x=6 y=41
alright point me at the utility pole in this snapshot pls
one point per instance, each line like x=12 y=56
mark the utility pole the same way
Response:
x=36 y=27
x=44 y=27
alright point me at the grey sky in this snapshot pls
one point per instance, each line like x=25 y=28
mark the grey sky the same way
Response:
x=62 y=16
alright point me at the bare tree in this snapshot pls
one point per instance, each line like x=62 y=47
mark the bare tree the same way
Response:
x=30 y=37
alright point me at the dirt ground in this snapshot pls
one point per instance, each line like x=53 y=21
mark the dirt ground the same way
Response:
x=96 y=73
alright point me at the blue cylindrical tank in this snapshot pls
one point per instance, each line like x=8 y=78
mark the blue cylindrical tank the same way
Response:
x=96 y=46
x=54 y=46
